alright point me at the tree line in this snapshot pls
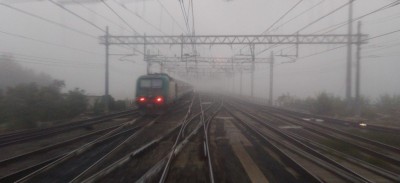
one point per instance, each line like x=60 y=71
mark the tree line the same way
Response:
x=28 y=99
x=26 y=105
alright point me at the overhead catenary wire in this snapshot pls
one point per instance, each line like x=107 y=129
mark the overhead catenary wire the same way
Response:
x=337 y=26
x=300 y=14
x=193 y=29
x=90 y=23
x=326 y=15
x=382 y=35
x=119 y=16
x=282 y=17
x=190 y=27
x=172 y=17
x=100 y=15
x=39 y=61
x=50 y=22
x=193 y=23
x=78 y=16
x=312 y=23
x=48 y=43
x=335 y=48
x=140 y=17
x=122 y=19
x=58 y=64
x=105 y=18
x=85 y=20
x=126 y=23
x=279 y=19
x=47 y=20
x=187 y=12
x=382 y=47
x=384 y=19
x=185 y=16
x=390 y=5
x=353 y=20
x=37 y=57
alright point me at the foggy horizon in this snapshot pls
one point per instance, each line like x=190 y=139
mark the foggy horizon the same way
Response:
x=79 y=59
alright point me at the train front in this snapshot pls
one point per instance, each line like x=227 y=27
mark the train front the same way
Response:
x=151 y=94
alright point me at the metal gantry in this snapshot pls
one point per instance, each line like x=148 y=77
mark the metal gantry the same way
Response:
x=234 y=39
x=229 y=40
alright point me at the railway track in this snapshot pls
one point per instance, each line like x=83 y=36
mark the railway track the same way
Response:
x=26 y=157
x=242 y=155
x=304 y=134
x=349 y=136
x=50 y=163
x=378 y=137
x=148 y=161
x=38 y=158
x=205 y=139
x=365 y=155
x=316 y=166
x=30 y=135
x=34 y=159
x=78 y=163
x=140 y=155
x=73 y=164
x=97 y=172
x=196 y=146
x=328 y=120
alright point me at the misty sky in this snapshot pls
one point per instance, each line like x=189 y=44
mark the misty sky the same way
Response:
x=78 y=58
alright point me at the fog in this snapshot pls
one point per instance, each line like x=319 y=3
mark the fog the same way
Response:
x=78 y=58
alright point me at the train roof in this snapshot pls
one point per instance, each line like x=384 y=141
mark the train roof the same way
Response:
x=164 y=77
x=157 y=75
x=161 y=75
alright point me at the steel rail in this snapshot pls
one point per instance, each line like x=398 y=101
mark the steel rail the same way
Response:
x=91 y=169
x=13 y=177
x=359 y=138
x=207 y=144
x=53 y=146
x=285 y=156
x=360 y=163
x=138 y=152
x=354 y=160
x=177 y=140
x=334 y=166
x=328 y=132
x=85 y=148
x=40 y=133
x=186 y=121
x=395 y=130
x=162 y=163
x=26 y=131
x=159 y=165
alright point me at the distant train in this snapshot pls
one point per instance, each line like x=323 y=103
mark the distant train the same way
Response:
x=155 y=93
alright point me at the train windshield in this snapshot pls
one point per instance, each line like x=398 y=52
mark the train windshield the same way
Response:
x=151 y=83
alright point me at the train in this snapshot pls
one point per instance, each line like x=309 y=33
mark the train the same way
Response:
x=156 y=93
